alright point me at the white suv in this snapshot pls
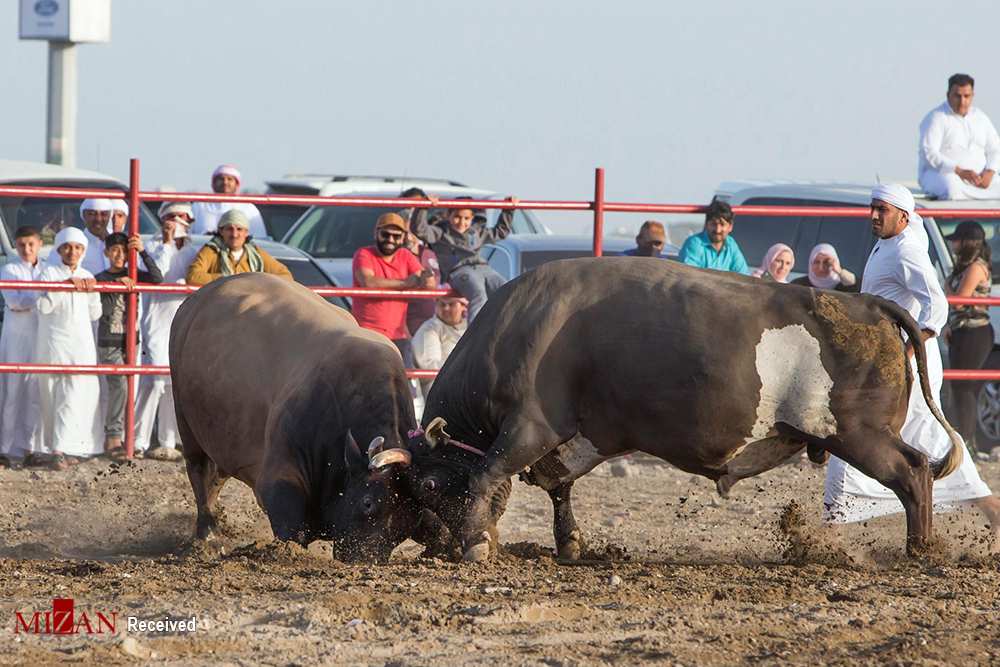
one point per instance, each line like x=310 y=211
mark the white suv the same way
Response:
x=853 y=239
x=332 y=234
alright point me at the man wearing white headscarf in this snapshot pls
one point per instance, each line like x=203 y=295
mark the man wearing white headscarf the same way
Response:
x=959 y=147
x=96 y=216
x=173 y=254
x=226 y=180
x=119 y=216
x=66 y=336
x=899 y=269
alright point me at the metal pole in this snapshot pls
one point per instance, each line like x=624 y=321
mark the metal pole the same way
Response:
x=598 y=211
x=131 y=307
x=60 y=144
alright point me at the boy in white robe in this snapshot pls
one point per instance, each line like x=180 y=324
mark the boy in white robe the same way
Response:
x=19 y=392
x=173 y=253
x=899 y=269
x=66 y=336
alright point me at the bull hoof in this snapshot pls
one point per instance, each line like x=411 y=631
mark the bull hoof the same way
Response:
x=571 y=550
x=480 y=552
x=817 y=455
x=723 y=484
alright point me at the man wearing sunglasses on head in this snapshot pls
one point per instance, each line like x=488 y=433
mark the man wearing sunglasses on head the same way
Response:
x=388 y=265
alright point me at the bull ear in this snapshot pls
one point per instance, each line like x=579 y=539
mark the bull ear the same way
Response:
x=354 y=460
x=435 y=434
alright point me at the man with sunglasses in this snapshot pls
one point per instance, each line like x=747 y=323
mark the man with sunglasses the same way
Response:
x=388 y=265
x=650 y=241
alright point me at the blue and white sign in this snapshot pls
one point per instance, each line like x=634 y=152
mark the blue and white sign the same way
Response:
x=66 y=20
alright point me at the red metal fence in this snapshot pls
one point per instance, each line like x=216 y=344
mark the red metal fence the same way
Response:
x=598 y=206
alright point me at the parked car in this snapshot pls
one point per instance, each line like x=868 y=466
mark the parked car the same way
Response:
x=332 y=234
x=49 y=215
x=853 y=240
x=304 y=268
x=517 y=254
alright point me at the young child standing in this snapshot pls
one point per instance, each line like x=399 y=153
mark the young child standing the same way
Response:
x=66 y=336
x=111 y=330
x=19 y=392
x=457 y=246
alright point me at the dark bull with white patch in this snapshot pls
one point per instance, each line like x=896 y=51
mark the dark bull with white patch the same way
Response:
x=272 y=385
x=719 y=374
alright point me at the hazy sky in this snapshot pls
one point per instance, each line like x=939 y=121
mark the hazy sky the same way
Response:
x=520 y=96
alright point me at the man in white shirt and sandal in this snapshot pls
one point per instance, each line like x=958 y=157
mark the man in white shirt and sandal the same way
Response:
x=959 y=147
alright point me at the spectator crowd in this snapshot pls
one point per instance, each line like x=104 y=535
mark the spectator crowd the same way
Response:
x=56 y=420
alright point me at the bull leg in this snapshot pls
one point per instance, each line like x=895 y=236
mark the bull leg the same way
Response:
x=206 y=481
x=757 y=457
x=519 y=445
x=569 y=541
x=900 y=468
x=285 y=504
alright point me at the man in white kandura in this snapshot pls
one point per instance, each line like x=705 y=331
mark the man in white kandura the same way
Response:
x=66 y=336
x=96 y=216
x=899 y=269
x=959 y=147
x=19 y=392
x=226 y=180
x=173 y=253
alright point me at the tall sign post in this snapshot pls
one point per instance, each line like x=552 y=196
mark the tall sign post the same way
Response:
x=64 y=24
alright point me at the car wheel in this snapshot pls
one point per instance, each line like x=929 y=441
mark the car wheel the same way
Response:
x=988 y=416
x=988 y=409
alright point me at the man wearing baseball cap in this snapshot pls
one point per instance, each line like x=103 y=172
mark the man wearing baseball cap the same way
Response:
x=231 y=251
x=173 y=253
x=388 y=265
x=226 y=180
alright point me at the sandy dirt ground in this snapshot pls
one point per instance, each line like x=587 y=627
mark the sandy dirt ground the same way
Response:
x=675 y=576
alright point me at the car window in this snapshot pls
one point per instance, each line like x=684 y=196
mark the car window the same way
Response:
x=335 y=231
x=51 y=215
x=992 y=228
x=851 y=237
x=308 y=274
x=279 y=218
x=523 y=222
x=756 y=234
x=499 y=261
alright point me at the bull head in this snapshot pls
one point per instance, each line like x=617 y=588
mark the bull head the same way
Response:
x=435 y=434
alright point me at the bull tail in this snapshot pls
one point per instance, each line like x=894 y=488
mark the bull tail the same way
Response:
x=906 y=322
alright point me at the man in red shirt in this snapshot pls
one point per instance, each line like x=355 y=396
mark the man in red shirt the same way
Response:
x=388 y=265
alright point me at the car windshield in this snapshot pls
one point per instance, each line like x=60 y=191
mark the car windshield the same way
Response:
x=992 y=228
x=51 y=215
x=308 y=274
x=338 y=231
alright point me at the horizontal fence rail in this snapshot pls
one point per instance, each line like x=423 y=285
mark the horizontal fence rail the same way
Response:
x=598 y=206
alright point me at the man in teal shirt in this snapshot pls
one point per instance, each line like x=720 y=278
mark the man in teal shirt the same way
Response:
x=714 y=248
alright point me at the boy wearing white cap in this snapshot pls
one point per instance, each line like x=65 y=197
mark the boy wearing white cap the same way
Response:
x=899 y=269
x=66 y=336
x=173 y=253
x=226 y=180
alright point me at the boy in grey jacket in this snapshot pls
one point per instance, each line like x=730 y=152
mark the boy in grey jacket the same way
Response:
x=457 y=242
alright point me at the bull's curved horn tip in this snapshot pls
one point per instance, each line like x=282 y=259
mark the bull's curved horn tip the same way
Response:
x=390 y=456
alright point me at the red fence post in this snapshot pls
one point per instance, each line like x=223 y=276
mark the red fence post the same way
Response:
x=598 y=211
x=131 y=307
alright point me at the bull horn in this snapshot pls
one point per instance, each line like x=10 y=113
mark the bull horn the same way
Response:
x=390 y=456
x=375 y=446
x=435 y=433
